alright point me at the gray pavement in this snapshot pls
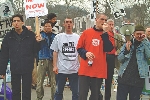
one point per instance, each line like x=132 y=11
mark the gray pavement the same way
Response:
x=67 y=94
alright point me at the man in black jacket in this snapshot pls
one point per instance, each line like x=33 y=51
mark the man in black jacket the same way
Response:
x=20 y=47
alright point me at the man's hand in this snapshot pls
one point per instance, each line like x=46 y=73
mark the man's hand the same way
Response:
x=142 y=37
x=2 y=76
x=128 y=44
x=105 y=27
x=116 y=53
x=38 y=38
x=90 y=55
x=55 y=69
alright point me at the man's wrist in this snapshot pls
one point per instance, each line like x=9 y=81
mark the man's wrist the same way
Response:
x=54 y=66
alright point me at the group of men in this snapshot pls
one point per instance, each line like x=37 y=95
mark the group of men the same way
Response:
x=85 y=60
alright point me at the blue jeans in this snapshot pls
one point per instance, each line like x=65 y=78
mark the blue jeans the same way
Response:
x=133 y=91
x=60 y=83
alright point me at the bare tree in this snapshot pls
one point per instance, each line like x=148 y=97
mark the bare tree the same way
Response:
x=138 y=9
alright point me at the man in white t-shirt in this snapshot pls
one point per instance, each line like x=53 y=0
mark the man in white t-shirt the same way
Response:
x=66 y=60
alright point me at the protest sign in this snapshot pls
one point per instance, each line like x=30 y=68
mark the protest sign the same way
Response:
x=35 y=8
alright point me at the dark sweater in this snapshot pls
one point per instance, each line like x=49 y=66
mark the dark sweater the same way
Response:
x=131 y=75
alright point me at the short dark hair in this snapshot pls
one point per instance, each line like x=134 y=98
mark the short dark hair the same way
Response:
x=100 y=14
x=17 y=15
x=46 y=21
x=51 y=16
x=68 y=17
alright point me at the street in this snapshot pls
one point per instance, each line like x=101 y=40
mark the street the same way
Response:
x=67 y=94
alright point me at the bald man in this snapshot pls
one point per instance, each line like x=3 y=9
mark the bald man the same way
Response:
x=148 y=33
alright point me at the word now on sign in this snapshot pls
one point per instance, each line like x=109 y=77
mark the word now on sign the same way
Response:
x=35 y=8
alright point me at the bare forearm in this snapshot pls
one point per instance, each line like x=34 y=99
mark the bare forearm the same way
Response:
x=55 y=57
x=79 y=58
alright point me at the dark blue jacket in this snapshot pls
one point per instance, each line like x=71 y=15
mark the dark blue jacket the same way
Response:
x=20 y=50
x=45 y=51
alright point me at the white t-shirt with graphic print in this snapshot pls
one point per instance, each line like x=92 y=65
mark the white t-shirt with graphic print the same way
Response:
x=65 y=45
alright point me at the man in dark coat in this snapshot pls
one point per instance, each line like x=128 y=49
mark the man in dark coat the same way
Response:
x=20 y=47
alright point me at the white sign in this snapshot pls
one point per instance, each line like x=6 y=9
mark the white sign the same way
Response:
x=35 y=8
x=6 y=10
x=117 y=8
x=93 y=9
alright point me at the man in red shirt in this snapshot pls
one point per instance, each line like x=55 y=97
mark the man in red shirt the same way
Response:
x=110 y=58
x=92 y=47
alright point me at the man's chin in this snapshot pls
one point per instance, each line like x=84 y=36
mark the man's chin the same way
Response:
x=17 y=28
x=139 y=39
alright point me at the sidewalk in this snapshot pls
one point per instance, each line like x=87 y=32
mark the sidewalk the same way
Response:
x=67 y=94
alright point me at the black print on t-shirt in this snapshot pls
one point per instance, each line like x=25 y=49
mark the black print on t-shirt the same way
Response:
x=68 y=47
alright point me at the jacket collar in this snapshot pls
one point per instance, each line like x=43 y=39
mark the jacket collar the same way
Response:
x=100 y=30
x=25 y=33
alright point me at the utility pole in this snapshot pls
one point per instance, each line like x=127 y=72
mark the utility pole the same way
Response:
x=67 y=7
x=96 y=8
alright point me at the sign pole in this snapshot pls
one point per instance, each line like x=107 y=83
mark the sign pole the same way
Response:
x=96 y=8
x=37 y=30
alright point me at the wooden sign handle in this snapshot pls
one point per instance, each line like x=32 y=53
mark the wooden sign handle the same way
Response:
x=37 y=29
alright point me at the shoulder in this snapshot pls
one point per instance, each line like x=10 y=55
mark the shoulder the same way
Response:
x=76 y=35
x=118 y=34
x=53 y=34
x=30 y=33
x=88 y=30
x=58 y=36
x=42 y=32
x=8 y=34
x=61 y=34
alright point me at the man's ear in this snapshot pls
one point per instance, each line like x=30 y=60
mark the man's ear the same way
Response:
x=63 y=24
x=22 y=23
x=95 y=19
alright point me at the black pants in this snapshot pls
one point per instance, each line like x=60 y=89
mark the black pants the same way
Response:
x=26 y=86
x=124 y=90
x=110 y=58
x=86 y=83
